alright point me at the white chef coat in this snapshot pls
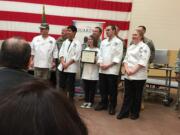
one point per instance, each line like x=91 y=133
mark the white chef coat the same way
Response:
x=137 y=54
x=91 y=71
x=43 y=50
x=111 y=52
x=70 y=51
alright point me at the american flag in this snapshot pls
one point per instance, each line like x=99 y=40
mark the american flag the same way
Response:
x=23 y=17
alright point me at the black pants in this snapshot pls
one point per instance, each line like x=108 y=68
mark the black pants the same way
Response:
x=108 y=86
x=132 y=97
x=89 y=88
x=67 y=82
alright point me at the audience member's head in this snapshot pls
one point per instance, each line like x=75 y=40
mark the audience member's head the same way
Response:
x=35 y=108
x=15 y=53
x=97 y=31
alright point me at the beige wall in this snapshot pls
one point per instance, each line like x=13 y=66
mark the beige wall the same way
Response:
x=162 y=19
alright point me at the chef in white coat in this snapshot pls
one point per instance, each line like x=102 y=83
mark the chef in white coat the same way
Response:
x=135 y=65
x=111 y=52
x=69 y=55
x=44 y=52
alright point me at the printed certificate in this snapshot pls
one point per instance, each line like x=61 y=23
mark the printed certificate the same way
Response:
x=88 y=56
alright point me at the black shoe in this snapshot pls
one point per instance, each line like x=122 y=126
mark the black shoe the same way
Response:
x=71 y=100
x=112 y=111
x=134 y=117
x=121 y=116
x=100 y=106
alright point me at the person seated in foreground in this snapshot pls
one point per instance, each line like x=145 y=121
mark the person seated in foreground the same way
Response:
x=35 y=108
x=15 y=59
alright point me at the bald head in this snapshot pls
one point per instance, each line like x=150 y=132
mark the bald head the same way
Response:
x=15 y=53
x=64 y=33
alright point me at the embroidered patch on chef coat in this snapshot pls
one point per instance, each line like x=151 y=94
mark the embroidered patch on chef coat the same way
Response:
x=50 y=41
x=140 y=50
x=115 y=43
x=74 y=45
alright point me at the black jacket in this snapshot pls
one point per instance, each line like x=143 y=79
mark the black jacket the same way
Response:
x=10 y=78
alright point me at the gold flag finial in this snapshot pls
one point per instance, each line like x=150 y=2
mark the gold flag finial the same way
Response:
x=44 y=24
x=43 y=15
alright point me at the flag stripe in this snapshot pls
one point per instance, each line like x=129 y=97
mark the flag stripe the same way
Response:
x=91 y=4
x=34 y=27
x=64 y=11
x=23 y=17
x=27 y=27
x=56 y=20
x=27 y=35
x=125 y=1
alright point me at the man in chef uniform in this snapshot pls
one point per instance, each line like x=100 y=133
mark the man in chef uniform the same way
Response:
x=111 y=52
x=43 y=51
x=69 y=56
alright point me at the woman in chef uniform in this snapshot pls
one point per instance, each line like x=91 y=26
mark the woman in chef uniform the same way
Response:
x=135 y=65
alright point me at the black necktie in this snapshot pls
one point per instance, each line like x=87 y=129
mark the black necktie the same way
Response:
x=69 y=45
x=67 y=51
